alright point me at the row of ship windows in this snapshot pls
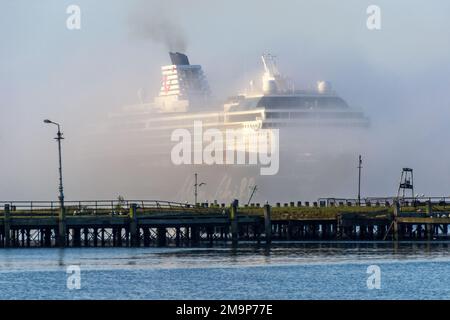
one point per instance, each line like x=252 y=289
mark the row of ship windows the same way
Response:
x=299 y=115
x=311 y=115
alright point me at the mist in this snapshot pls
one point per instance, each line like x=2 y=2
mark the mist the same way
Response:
x=398 y=75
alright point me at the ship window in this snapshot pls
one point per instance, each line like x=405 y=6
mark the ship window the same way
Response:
x=296 y=102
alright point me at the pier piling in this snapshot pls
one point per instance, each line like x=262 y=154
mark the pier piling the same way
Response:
x=234 y=222
x=134 y=235
x=7 y=227
x=267 y=223
x=61 y=235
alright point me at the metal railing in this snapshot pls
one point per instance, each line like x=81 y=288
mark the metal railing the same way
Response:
x=387 y=201
x=101 y=207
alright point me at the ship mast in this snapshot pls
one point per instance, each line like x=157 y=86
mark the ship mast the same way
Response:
x=272 y=79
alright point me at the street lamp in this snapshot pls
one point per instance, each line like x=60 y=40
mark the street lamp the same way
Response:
x=196 y=186
x=359 y=180
x=59 y=137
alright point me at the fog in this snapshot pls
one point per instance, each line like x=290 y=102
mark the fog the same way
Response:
x=399 y=76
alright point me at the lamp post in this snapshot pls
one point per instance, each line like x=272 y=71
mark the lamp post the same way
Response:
x=359 y=180
x=62 y=215
x=59 y=137
x=196 y=186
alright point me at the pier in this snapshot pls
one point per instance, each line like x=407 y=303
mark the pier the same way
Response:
x=137 y=223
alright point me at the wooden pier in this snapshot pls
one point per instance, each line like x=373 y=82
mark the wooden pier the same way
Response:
x=160 y=223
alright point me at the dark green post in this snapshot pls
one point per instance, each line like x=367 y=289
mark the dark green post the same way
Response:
x=62 y=227
x=134 y=226
x=396 y=214
x=7 y=226
x=234 y=222
x=161 y=236
x=429 y=226
x=429 y=209
x=267 y=223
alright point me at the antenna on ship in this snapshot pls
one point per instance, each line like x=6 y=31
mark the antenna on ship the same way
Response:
x=272 y=79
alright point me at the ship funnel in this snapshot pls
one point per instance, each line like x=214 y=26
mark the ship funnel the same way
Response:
x=179 y=59
x=184 y=86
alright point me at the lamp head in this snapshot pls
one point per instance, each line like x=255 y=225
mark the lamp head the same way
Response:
x=47 y=121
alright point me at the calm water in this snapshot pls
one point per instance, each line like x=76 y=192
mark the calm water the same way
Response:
x=283 y=271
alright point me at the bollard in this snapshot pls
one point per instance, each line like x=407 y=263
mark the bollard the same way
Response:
x=267 y=223
x=299 y=203
x=134 y=226
x=429 y=209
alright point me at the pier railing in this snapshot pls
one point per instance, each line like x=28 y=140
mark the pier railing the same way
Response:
x=386 y=201
x=101 y=207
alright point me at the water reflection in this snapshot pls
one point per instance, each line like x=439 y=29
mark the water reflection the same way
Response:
x=223 y=256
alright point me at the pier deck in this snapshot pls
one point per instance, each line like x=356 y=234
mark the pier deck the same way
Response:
x=150 y=223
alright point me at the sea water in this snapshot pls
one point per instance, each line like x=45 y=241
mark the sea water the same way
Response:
x=308 y=270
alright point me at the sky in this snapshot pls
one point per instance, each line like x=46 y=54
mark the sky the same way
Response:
x=399 y=75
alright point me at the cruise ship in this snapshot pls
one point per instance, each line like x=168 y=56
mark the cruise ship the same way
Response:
x=185 y=95
x=319 y=136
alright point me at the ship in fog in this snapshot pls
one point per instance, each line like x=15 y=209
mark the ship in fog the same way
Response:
x=185 y=94
x=318 y=133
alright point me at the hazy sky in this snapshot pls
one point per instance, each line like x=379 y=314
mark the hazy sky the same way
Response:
x=399 y=75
